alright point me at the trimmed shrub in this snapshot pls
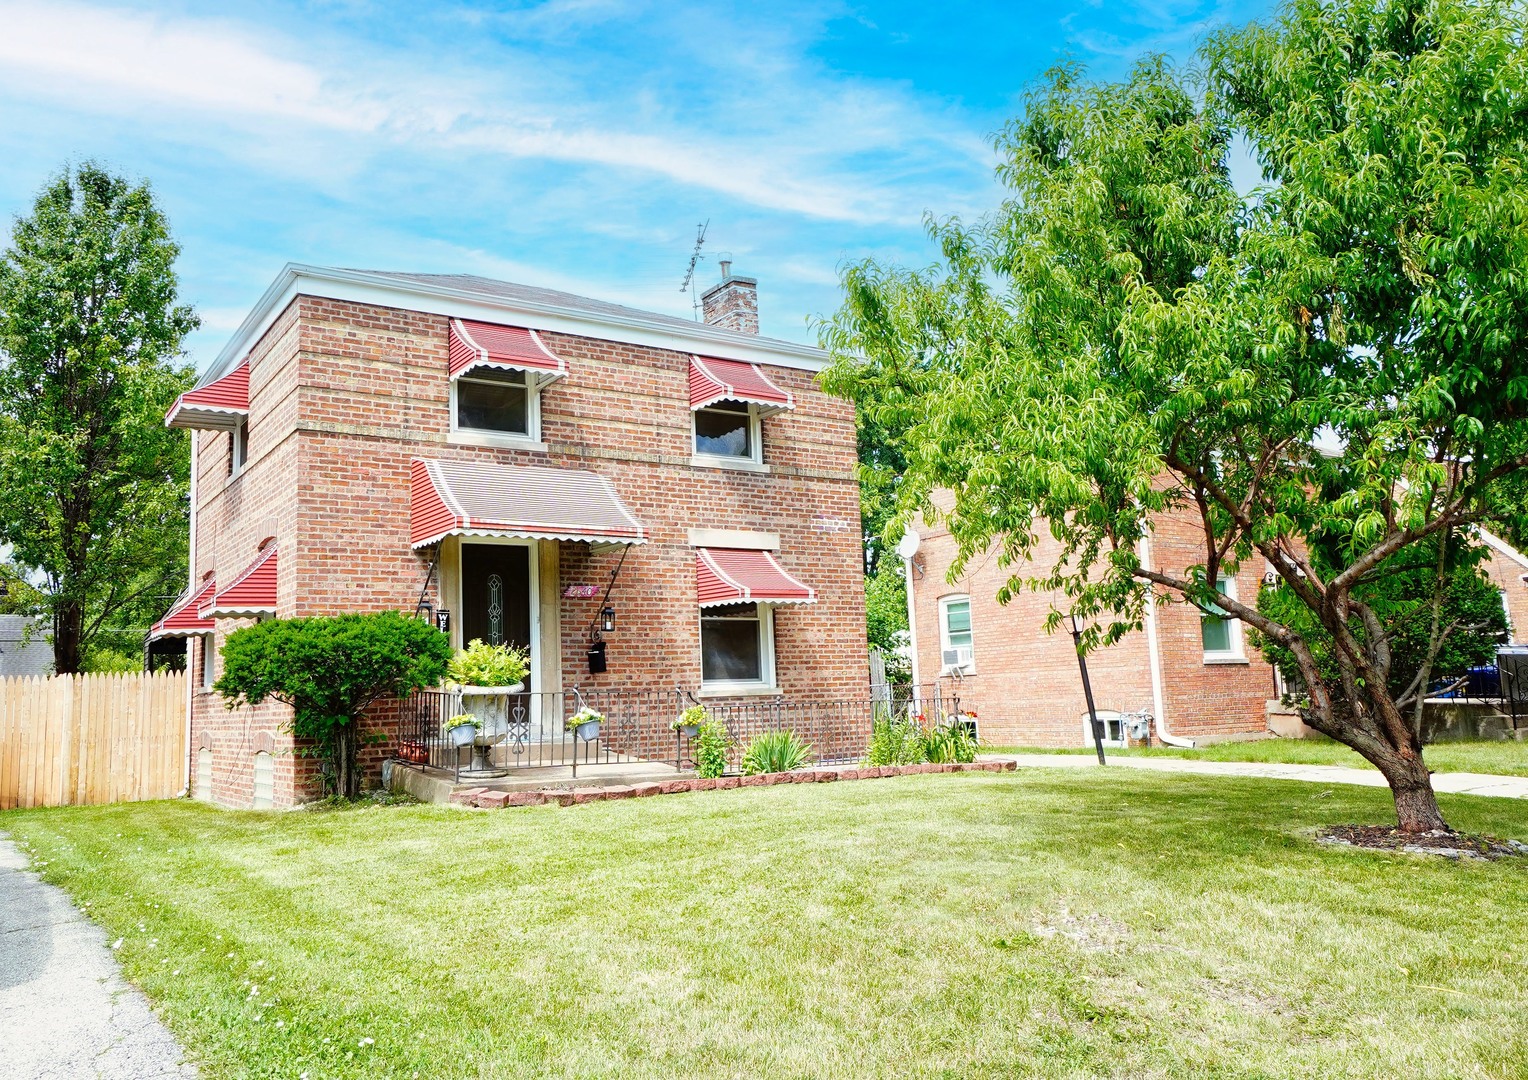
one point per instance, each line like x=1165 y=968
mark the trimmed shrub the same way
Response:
x=329 y=669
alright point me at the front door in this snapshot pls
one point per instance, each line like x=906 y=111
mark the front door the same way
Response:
x=496 y=594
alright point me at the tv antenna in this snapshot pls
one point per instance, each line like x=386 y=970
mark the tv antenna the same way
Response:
x=695 y=257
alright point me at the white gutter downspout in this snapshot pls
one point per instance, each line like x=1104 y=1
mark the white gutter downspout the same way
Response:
x=912 y=621
x=190 y=584
x=1158 y=702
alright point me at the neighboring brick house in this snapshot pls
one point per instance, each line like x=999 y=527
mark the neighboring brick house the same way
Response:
x=1198 y=677
x=363 y=428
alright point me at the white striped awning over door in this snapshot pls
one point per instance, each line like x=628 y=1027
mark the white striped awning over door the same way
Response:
x=479 y=498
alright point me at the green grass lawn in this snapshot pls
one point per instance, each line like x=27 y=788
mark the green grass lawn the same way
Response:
x=1040 y=923
x=1504 y=758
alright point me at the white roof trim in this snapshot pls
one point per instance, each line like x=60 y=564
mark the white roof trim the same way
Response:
x=1492 y=540
x=360 y=286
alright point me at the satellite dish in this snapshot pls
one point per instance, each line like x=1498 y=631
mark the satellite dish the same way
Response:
x=907 y=547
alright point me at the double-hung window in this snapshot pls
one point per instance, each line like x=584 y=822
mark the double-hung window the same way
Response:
x=497 y=402
x=955 y=639
x=1218 y=631
x=737 y=645
x=728 y=429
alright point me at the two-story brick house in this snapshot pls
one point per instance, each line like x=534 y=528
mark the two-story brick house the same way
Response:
x=511 y=461
x=1198 y=676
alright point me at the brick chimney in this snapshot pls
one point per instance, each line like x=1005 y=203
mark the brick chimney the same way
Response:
x=734 y=304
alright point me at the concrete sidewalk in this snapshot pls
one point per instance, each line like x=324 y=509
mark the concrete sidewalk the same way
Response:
x=1502 y=787
x=66 y=1013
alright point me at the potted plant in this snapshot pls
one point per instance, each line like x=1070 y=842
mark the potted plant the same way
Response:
x=461 y=730
x=585 y=724
x=489 y=671
x=689 y=721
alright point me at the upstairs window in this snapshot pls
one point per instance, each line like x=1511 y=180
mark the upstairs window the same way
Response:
x=955 y=637
x=728 y=429
x=501 y=402
x=1218 y=631
x=238 y=447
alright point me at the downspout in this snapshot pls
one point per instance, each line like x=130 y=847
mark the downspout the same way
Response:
x=912 y=621
x=190 y=584
x=1154 y=652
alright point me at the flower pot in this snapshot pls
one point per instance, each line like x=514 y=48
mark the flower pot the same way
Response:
x=462 y=735
x=588 y=731
x=689 y=731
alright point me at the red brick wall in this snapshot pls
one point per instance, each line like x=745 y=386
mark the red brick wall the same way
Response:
x=1027 y=690
x=1507 y=573
x=356 y=391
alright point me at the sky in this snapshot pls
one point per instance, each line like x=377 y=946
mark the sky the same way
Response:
x=573 y=144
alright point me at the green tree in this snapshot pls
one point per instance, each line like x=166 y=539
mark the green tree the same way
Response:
x=1337 y=363
x=1439 y=624
x=329 y=669
x=92 y=484
x=886 y=617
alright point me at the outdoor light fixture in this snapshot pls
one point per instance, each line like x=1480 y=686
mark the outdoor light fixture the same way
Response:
x=607 y=619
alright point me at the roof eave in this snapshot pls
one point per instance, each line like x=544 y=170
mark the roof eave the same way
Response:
x=334 y=283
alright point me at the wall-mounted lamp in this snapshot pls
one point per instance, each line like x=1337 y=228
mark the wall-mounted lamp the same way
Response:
x=607 y=619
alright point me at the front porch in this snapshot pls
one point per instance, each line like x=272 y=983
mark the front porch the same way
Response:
x=536 y=747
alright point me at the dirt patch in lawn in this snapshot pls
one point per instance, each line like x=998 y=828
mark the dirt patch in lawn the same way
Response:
x=1452 y=845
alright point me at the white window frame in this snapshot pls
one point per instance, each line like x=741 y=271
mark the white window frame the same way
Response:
x=1225 y=584
x=534 y=384
x=238 y=447
x=209 y=655
x=766 y=681
x=755 y=458
x=968 y=667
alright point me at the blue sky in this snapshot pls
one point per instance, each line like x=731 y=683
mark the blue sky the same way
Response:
x=569 y=143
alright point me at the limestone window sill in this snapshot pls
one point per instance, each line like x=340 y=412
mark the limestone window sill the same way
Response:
x=488 y=438
x=712 y=461
x=737 y=691
x=1214 y=661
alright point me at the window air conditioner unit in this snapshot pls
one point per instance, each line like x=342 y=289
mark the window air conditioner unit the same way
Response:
x=956 y=659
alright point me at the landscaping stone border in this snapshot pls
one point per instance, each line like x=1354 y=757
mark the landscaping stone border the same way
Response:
x=487 y=799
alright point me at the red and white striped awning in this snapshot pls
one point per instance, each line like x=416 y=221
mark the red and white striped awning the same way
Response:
x=252 y=593
x=731 y=576
x=479 y=498
x=713 y=380
x=183 y=620
x=218 y=406
x=510 y=348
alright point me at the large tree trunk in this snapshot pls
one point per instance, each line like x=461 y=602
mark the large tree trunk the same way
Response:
x=68 y=628
x=1416 y=806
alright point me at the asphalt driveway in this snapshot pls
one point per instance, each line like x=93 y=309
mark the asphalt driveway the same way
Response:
x=66 y=1013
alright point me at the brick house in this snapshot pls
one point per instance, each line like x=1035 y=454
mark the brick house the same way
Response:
x=497 y=457
x=1199 y=677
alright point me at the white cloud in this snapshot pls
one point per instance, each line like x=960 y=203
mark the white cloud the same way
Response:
x=784 y=139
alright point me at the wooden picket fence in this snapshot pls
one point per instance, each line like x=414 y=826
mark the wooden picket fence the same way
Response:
x=75 y=740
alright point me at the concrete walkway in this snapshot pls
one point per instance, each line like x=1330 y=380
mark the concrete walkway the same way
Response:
x=1504 y=787
x=66 y=1013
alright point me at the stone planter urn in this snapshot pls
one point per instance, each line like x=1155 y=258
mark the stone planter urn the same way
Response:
x=490 y=704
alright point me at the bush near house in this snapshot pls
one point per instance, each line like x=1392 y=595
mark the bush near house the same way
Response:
x=775 y=751
x=329 y=669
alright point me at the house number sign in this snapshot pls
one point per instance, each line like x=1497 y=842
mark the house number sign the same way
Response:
x=581 y=591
